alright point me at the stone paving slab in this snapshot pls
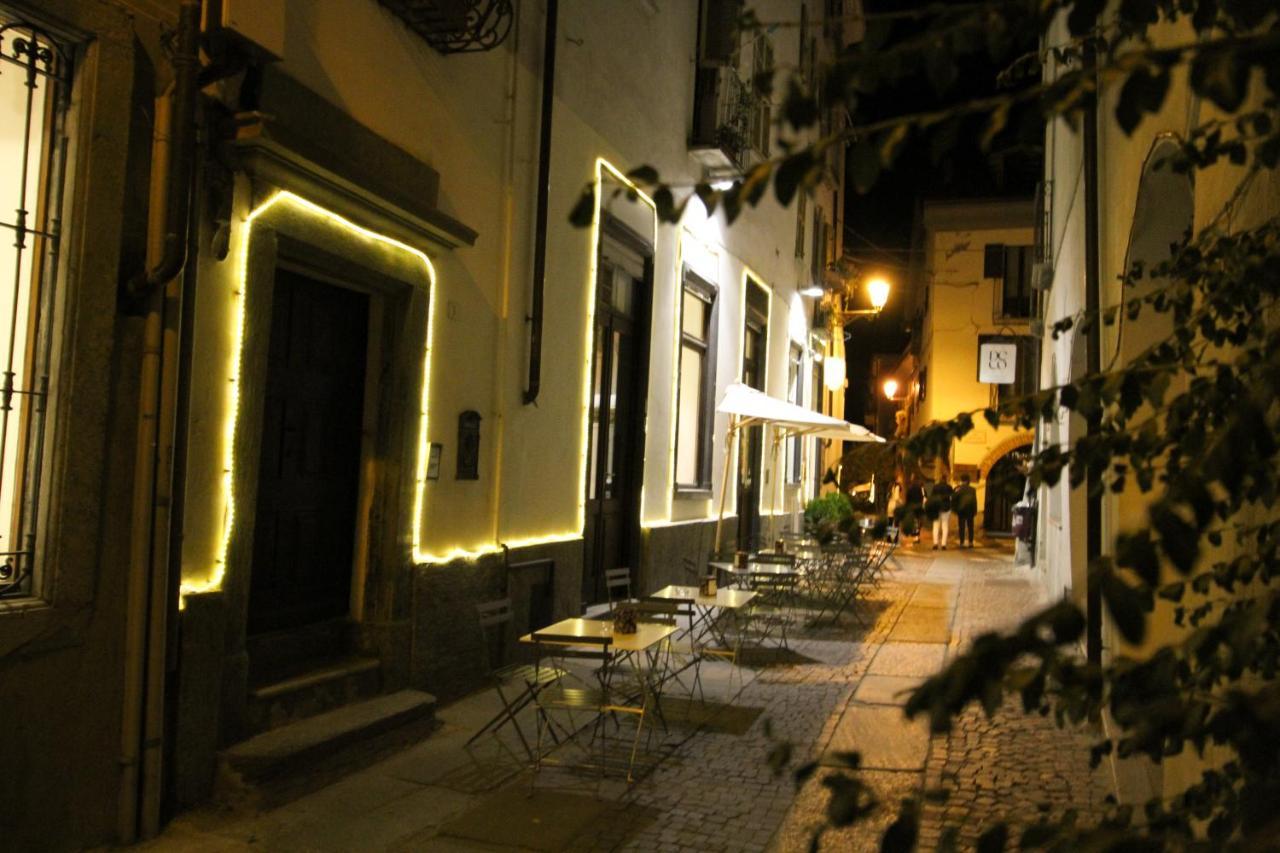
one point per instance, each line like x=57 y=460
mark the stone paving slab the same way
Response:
x=882 y=735
x=917 y=659
x=884 y=689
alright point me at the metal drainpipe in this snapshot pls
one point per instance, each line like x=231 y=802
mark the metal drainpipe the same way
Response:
x=182 y=135
x=544 y=188
x=1093 y=352
x=145 y=612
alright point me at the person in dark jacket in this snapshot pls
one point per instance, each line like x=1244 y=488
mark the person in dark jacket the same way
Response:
x=965 y=503
x=938 y=508
x=915 y=505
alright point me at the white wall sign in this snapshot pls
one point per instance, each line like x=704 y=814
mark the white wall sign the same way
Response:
x=997 y=362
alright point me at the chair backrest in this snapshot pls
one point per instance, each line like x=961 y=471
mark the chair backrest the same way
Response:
x=694 y=568
x=561 y=646
x=664 y=611
x=774 y=559
x=617 y=584
x=493 y=617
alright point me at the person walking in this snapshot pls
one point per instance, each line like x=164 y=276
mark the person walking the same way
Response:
x=890 y=510
x=965 y=504
x=938 y=508
x=915 y=503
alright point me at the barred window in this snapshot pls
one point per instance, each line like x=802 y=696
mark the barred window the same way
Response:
x=35 y=77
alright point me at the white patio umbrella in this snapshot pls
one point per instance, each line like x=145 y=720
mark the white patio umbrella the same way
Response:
x=747 y=407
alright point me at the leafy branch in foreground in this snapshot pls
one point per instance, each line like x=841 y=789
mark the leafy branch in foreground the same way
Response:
x=1191 y=424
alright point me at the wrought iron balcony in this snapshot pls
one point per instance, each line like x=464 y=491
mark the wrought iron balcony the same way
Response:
x=731 y=122
x=456 y=26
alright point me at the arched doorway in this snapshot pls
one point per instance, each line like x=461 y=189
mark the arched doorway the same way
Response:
x=1005 y=483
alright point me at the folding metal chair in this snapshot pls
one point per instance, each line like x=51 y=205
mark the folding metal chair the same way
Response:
x=617 y=585
x=517 y=684
x=572 y=693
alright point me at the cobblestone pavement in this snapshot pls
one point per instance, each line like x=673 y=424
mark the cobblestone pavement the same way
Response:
x=837 y=689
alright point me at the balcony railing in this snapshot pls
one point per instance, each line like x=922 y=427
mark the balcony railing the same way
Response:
x=456 y=26
x=731 y=122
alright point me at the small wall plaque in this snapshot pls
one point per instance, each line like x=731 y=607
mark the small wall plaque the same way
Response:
x=433 y=461
x=469 y=445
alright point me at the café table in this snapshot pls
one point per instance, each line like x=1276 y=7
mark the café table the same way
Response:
x=595 y=641
x=706 y=607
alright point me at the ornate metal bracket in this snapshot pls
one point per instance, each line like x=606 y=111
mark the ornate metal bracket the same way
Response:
x=456 y=26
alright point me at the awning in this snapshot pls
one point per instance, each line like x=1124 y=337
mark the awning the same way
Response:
x=756 y=407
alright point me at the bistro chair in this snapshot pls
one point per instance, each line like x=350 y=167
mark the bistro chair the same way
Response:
x=617 y=585
x=517 y=684
x=595 y=694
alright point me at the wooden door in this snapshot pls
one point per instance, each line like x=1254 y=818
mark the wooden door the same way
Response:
x=751 y=439
x=308 y=476
x=615 y=450
x=1005 y=486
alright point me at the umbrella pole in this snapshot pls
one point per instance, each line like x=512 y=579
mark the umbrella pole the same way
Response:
x=730 y=440
x=773 y=489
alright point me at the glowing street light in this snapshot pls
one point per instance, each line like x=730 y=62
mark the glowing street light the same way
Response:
x=890 y=388
x=878 y=291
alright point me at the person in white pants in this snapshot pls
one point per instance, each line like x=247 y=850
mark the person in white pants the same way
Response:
x=940 y=497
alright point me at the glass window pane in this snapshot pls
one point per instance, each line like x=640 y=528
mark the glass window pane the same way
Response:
x=623 y=292
x=689 y=417
x=694 y=321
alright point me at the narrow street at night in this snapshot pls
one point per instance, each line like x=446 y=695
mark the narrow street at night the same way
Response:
x=837 y=690
x=646 y=425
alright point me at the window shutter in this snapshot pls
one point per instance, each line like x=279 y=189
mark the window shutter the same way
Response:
x=720 y=30
x=993 y=261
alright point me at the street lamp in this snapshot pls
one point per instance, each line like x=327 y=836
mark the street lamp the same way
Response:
x=890 y=388
x=833 y=370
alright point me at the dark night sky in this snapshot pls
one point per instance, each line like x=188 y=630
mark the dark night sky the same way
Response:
x=949 y=164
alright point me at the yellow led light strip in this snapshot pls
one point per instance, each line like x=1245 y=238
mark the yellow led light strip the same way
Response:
x=231 y=423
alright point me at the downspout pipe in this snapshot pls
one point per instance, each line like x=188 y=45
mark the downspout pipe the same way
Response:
x=182 y=136
x=1093 y=354
x=146 y=592
x=544 y=190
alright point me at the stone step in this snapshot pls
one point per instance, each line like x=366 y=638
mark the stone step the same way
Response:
x=321 y=687
x=283 y=763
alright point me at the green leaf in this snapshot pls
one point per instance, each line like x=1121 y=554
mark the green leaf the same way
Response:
x=1125 y=604
x=645 y=176
x=1222 y=76
x=584 y=210
x=994 y=839
x=1178 y=539
x=791 y=176
x=864 y=165
x=1136 y=551
x=1143 y=92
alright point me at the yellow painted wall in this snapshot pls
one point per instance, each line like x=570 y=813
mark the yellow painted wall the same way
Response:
x=961 y=306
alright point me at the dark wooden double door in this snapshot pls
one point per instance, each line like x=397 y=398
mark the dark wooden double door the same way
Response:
x=309 y=467
x=615 y=435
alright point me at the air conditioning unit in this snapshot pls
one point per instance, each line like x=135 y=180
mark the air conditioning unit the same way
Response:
x=255 y=27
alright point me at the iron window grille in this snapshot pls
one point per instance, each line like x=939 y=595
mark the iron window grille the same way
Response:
x=35 y=82
x=456 y=26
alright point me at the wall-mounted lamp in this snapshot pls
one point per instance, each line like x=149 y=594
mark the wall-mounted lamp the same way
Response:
x=890 y=388
x=813 y=291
